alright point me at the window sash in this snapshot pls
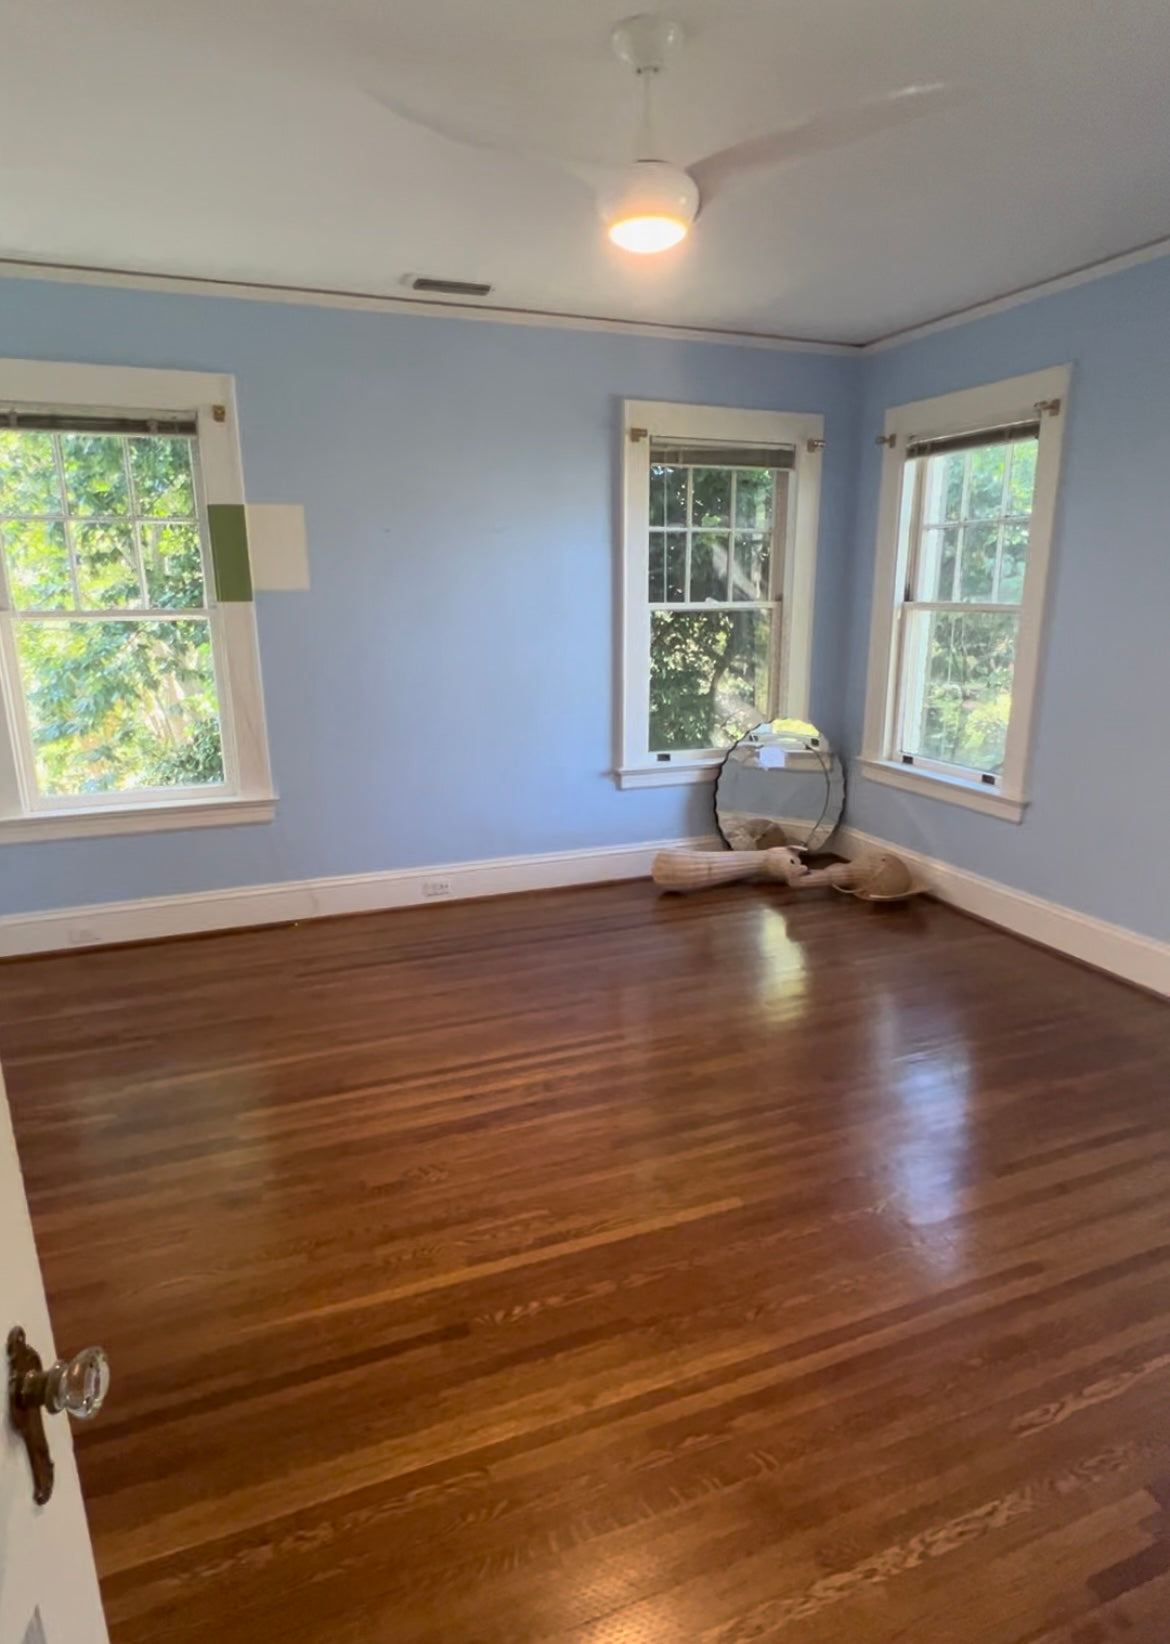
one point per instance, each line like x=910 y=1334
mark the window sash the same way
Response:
x=35 y=802
x=668 y=756
x=785 y=442
x=127 y=399
x=657 y=535
x=1033 y=405
x=116 y=613
x=165 y=425
x=910 y=686
x=731 y=458
x=960 y=605
x=909 y=668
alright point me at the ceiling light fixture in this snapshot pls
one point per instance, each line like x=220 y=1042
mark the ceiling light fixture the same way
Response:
x=651 y=207
x=651 y=204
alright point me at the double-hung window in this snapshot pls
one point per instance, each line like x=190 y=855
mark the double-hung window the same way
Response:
x=127 y=642
x=719 y=568
x=966 y=520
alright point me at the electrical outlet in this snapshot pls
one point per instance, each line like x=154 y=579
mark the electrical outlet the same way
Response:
x=432 y=889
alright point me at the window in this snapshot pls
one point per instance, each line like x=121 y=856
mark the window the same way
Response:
x=719 y=547
x=127 y=641
x=966 y=517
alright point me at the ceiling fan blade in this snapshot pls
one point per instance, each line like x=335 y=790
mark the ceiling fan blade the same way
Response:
x=594 y=173
x=832 y=129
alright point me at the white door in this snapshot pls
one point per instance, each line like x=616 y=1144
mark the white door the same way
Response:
x=48 y=1584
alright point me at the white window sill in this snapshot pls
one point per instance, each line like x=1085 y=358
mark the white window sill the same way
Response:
x=158 y=818
x=952 y=790
x=668 y=776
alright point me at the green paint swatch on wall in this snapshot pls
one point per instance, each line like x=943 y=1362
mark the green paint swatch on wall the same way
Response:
x=227 y=523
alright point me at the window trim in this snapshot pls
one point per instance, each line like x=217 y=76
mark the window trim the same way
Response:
x=990 y=405
x=664 y=420
x=62 y=387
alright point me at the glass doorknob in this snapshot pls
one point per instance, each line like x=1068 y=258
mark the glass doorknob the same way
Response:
x=78 y=1385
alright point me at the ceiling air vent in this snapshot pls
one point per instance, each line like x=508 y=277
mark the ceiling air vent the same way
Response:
x=450 y=288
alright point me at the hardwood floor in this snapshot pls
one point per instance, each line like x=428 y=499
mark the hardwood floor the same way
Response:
x=604 y=1268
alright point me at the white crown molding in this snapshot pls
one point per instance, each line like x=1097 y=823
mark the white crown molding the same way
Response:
x=151 y=918
x=1085 y=275
x=17 y=268
x=29 y=268
x=1142 y=960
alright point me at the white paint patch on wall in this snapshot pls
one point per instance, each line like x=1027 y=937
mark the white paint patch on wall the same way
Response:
x=278 y=547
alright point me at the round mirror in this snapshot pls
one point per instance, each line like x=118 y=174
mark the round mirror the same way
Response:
x=781 y=784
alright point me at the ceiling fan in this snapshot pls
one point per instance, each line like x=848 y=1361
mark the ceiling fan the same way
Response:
x=651 y=204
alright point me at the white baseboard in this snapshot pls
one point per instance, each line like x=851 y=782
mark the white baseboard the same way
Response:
x=149 y=918
x=1125 y=953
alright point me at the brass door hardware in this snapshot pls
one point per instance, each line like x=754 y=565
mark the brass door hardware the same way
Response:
x=78 y=1385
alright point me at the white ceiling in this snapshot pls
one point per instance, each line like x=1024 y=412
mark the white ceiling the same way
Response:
x=239 y=139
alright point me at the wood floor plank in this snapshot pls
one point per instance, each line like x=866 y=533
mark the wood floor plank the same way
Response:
x=600 y=1267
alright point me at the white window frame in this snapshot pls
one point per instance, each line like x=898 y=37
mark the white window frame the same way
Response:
x=247 y=795
x=646 y=420
x=992 y=405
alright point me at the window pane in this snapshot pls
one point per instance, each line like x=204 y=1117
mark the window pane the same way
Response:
x=161 y=471
x=985 y=484
x=1012 y=564
x=943 y=482
x=657 y=497
x=992 y=489
x=709 y=566
x=1022 y=482
x=676 y=566
x=675 y=487
x=755 y=492
x=958 y=686
x=174 y=566
x=711 y=496
x=750 y=572
x=115 y=706
x=709 y=677
x=953 y=469
x=28 y=473
x=977 y=578
x=107 y=571
x=37 y=561
x=656 y=582
x=95 y=473
x=937 y=561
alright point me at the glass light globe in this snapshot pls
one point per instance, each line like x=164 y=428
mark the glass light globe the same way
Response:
x=651 y=207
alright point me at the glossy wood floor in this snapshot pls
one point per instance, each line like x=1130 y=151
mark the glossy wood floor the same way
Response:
x=602 y=1268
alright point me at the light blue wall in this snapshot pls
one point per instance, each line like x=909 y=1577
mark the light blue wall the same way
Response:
x=445 y=691
x=1095 y=836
